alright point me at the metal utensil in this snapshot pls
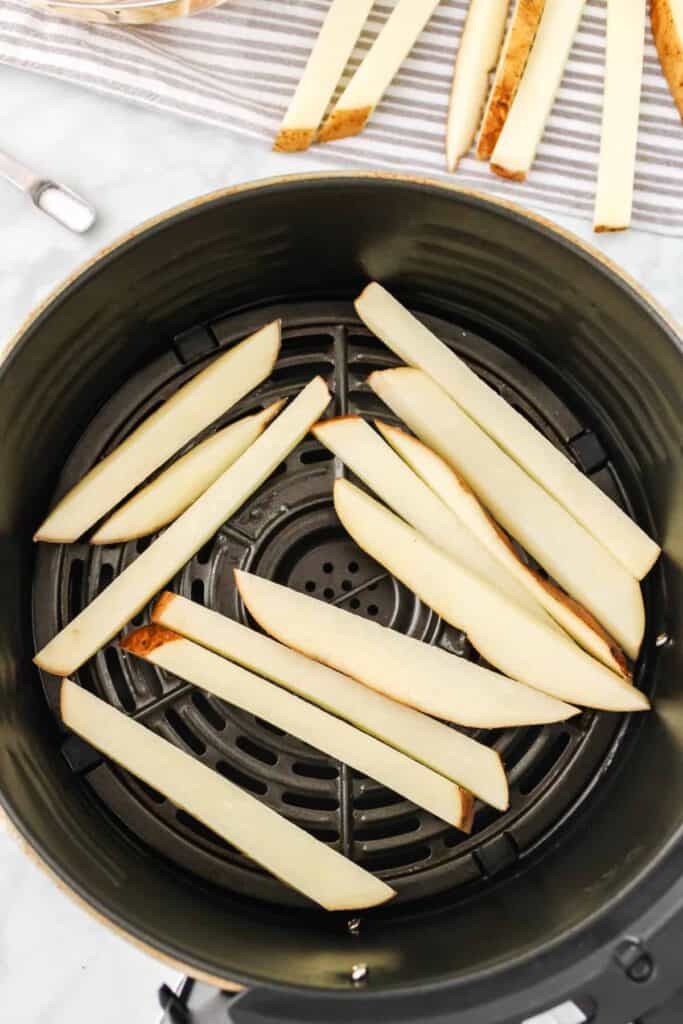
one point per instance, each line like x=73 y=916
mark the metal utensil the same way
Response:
x=55 y=200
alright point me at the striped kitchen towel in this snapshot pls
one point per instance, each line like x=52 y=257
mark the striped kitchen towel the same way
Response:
x=237 y=65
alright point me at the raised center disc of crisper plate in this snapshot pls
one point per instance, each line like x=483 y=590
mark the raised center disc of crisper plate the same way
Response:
x=288 y=531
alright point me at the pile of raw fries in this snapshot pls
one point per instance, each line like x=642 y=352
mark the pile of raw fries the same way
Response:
x=473 y=475
x=506 y=115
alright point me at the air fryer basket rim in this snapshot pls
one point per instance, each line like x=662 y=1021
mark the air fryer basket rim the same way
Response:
x=80 y=277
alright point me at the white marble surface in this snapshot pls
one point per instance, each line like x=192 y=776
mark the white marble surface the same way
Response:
x=57 y=966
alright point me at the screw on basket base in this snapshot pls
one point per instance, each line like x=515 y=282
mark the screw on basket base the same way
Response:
x=663 y=640
x=359 y=973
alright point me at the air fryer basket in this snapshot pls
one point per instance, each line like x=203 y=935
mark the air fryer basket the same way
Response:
x=591 y=840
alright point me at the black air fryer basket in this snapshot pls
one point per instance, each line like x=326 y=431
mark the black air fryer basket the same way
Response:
x=574 y=892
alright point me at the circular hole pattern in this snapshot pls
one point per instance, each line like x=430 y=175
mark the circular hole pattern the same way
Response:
x=310 y=586
x=328 y=592
x=373 y=586
x=347 y=585
x=355 y=603
x=328 y=567
x=372 y=609
x=353 y=567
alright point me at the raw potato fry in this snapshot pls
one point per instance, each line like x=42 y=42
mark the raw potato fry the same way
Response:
x=517 y=143
x=452 y=754
x=407 y=670
x=568 y=552
x=321 y=730
x=176 y=488
x=667 y=28
x=142 y=579
x=391 y=47
x=284 y=849
x=509 y=638
x=192 y=408
x=516 y=48
x=372 y=460
x=340 y=30
x=416 y=345
x=477 y=55
x=445 y=482
x=620 y=112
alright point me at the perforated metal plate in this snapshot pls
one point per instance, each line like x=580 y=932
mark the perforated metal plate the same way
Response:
x=288 y=531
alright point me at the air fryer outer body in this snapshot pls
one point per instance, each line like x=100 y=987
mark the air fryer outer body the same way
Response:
x=556 y=928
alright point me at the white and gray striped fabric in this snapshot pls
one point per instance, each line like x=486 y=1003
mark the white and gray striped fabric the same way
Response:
x=237 y=65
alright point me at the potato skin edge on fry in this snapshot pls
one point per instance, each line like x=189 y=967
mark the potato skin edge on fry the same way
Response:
x=293 y=140
x=145 y=640
x=669 y=48
x=342 y=123
x=504 y=90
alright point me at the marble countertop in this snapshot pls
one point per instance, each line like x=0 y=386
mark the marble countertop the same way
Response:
x=57 y=965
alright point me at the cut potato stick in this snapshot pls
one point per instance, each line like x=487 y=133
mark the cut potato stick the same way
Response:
x=509 y=638
x=482 y=36
x=340 y=30
x=192 y=408
x=372 y=460
x=523 y=129
x=368 y=84
x=620 y=113
x=280 y=847
x=311 y=724
x=516 y=48
x=667 y=28
x=409 y=671
x=132 y=589
x=453 y=490
x=415 y=344
x=455 y=756
x=176 y=488
x=567 y=551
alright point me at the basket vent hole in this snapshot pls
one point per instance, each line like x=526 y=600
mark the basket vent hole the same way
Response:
x=269 y=727
x=325 y=835
x=399 y=858
x=375 y=798
x=204 y=553
x=347 y=585
x=328 y=567
x=106 y=576
x=241 y=778
x=328 y=593
x=314 y=455
x=387 y=829
x=315 y=771
x=255 y=750
x=353 y=567
x=207 y=710
x=372 y=609
x=153 y=794
x=142 y=543
x=310 y=586
x=355 y=603
x=183 y=730
x=522 y=743
x=118 y=679
x=373 y=586
x=313 y=803
x=197 y=591
x=543 y=764
x=75 y=587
